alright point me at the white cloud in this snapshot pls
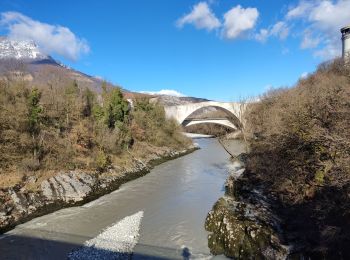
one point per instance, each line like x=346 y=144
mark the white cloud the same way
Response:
x=268 y=87
x=309 y=41
x=236 y=21
x=167 y=92
x=300 y=10
x=262 y=35
x=98 y=77
x=279 y=29
x=51 y=39
x=324 y=19
x=201 y=17
x=304 y=75
x=239 y=20
x=321 y=20
x=329 y=15
x=330 y=50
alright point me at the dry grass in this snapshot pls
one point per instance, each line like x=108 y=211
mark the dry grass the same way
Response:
x=11 y=178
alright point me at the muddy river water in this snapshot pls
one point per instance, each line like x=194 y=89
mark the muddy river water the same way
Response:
x=174 y=199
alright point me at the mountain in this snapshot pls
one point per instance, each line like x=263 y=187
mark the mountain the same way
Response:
x=22 y=59
x=20 y=49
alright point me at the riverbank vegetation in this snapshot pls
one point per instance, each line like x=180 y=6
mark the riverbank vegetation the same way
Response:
x=69 y=127
x=300 y=154
x=208 y=129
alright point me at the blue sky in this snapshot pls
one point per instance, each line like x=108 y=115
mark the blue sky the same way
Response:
x=218 y=49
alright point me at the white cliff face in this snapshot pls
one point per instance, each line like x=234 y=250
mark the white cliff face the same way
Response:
x=20 y=49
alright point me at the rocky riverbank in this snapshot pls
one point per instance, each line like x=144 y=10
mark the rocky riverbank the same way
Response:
x=252 y=222
x=70 y=188
x=242 y=224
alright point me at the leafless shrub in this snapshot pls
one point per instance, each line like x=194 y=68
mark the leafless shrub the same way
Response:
x=208 y=129
x=30 y=164
x=300 y=143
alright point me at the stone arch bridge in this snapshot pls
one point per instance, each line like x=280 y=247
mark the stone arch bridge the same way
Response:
x=233 y=110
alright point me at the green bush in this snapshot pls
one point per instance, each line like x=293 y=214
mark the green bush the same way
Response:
x=150 y=124
x=102 y=161
x=116 y=109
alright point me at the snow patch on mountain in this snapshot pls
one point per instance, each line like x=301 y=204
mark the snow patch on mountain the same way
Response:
x=20 y=49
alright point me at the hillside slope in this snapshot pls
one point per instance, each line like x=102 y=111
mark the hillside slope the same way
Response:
x=66 y=137
x=23 y=60
x=300 y=154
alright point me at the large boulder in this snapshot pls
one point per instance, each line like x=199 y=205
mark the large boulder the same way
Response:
x=241 y=233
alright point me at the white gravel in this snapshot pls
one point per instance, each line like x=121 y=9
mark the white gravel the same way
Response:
x=115 y=242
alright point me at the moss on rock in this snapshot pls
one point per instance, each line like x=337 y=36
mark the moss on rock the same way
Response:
x=238 y=236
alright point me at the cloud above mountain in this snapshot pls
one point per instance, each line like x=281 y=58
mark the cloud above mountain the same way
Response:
x=51 y=39
x=166 y=92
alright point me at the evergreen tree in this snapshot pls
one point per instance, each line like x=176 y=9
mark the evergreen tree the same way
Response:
x=34 y=111
x=34 y=117
x=116 y=109
x=71 y=94
x=88 y=102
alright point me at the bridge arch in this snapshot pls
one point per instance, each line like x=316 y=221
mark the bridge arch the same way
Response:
x=222 y=122
x=181 y=112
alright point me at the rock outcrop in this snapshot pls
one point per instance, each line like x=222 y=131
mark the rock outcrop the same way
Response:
x=71 y=186
x=241 y=223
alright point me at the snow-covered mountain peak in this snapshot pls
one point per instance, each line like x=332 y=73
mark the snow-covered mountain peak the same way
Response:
x=20 y=49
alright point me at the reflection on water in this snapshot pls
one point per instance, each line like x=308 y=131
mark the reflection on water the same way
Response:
x=175 y=197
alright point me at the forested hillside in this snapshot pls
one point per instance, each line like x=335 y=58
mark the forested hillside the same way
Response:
x=70 y=127
x=300 y=153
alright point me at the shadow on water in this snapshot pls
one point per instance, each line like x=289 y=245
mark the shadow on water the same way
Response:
x=14 y=247
x=186 y=253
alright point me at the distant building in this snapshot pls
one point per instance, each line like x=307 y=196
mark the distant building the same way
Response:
x=345 y=31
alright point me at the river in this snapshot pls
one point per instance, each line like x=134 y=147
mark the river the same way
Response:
x=174 y=199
